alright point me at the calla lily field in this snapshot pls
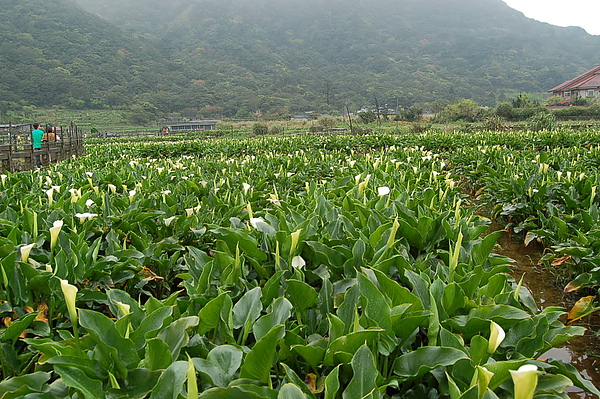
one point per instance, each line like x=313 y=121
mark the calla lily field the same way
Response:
x=300 y=266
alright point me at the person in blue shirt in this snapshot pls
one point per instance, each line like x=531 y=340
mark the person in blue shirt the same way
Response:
x=36 y=138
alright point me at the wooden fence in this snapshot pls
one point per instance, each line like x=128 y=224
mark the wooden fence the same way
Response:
x=17 y=154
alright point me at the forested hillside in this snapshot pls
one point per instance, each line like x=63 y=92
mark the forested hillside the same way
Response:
x=238 y=57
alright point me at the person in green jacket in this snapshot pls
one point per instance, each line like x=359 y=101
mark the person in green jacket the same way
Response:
x=36 y=137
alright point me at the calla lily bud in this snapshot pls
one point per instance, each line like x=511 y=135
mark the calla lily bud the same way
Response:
x=70 y=293
x=192 y=382
x=482 y=378
x=123 y=308
x=25 y=250
x=54 y=231
x=295 y=238
x=525 y=380
x=497 y=335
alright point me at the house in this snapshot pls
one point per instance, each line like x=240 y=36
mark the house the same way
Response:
x=191 y=126
x=586 y=85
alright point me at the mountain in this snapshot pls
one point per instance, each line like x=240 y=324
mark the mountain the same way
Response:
x=237 y=57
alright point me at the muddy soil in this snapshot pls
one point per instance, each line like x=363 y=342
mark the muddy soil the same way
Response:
x=582 y=352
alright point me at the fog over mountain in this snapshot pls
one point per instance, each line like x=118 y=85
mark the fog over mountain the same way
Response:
x=243 y=56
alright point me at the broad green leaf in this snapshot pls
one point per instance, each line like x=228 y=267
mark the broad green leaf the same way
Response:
x=247 y=309
x=150 y=326
x=375 y=305
x=300 y=294
x=350 y=344
x=290 y=391
x=482 y=250
x=279 y=314
x=16 y=329
x=139 y=384
x=77 y=379
x=176 y=335
x=332 y=383
x=312 y=354
x=137 y=314
x=34 y=380
x=569 y=371
x=239 y=392
x=171 y=382
x=211 y=371
x=157 y=355
x=364 y=380
x=259 y=361
x=293 y=378
x=425 y=359
x=104 y=331
x=397 y=294
x=210 y=314
x=228 y=358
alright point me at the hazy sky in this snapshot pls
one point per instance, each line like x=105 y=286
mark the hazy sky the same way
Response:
x=584 y=13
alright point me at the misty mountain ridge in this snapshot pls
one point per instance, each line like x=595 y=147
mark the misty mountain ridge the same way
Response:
x=242 y=56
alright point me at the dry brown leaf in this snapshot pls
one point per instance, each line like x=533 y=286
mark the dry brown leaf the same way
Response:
x=312 y=383
x=43 y=315
x=582 y=308
x=150 y=275
x=561 y=261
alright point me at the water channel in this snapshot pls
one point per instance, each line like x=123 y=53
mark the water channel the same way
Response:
x=582 y=352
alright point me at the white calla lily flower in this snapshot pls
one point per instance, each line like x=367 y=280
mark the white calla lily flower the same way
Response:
x=168 y=221
x=246 y=187
x=70 y=293
x=298 y=262
x=381 y=191
x=497 y=335
x=85 y=216
x=54 y=231
x=25 y=250
x=525 y=380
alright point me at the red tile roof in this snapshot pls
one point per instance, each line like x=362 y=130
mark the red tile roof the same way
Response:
x=588 y=80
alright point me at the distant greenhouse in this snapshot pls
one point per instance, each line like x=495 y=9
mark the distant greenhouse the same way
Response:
x=192 y=126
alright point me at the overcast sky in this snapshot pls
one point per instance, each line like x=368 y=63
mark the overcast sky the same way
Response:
x=584 y=13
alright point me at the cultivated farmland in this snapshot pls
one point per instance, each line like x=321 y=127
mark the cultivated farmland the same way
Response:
x=296 y=267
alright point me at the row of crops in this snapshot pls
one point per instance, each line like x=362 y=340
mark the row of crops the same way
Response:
x=294 y=267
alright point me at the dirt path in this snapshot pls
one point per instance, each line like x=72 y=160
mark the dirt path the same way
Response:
x=583 y=352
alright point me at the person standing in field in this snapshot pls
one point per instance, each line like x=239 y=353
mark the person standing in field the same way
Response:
x=50 y=136
x=36 y=138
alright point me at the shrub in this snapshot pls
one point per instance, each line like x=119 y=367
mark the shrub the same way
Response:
x=494 y=122
x=260 y=129
x=327 y=121
x=542 y=121
x=504 y=110
x=367 y=116
x=276 y=129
